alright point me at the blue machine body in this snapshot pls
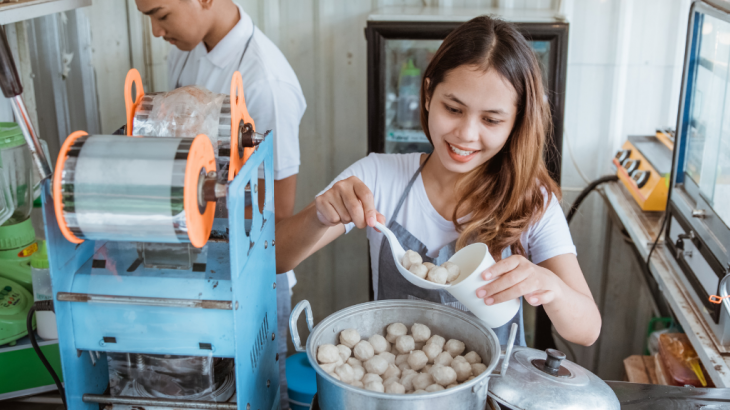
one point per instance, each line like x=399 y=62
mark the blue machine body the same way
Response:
x=240 y=270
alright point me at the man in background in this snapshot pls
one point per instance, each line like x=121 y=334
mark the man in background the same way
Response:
x=213 y=39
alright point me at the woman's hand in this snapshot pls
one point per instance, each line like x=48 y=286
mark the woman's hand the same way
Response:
x=349 y=200
x=516 y=276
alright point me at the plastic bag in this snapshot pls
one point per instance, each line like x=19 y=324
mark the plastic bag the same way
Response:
x=169 y=377
x=183 y=112
x=680 y=360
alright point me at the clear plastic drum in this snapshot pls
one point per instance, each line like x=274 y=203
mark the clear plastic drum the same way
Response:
x=135 y=188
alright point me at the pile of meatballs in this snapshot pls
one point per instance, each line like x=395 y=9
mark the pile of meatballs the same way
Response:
x=399 y=363
x=446 y=273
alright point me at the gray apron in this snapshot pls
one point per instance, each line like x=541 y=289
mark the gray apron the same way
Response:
x=392 y=285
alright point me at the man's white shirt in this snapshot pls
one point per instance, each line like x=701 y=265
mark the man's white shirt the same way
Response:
x=273 y=95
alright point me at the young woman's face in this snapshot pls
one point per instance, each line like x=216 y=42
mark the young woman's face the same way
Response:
x=470 y=117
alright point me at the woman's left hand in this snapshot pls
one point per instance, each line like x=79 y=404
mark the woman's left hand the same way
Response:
x=516 y=276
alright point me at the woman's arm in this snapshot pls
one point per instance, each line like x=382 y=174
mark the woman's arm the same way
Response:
x=301 y=235
x=557 y=284
x=320 y=223
x=573 y=311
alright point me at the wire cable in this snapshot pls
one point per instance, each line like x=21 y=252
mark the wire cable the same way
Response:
x=44 y=306
x=587 y=190
x=656 y=241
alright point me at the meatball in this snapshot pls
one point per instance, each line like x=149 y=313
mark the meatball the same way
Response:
x=379 y=344
x=349 y=337
x=454 y=347
x=421 y=333
x=327 y=353
x=417 y=360
x=363 y=350
x=378 y=365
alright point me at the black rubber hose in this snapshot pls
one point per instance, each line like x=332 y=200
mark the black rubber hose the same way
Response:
x=587 y=190
x=31 y=334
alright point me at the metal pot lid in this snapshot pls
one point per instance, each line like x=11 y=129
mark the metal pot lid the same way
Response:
x=537 y=379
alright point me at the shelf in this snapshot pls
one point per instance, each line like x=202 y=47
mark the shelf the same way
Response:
x=399 y=135
x=642 y=228
x=29 y=9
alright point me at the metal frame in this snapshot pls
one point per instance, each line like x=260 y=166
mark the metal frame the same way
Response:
x=227 y=311
x=377 y=32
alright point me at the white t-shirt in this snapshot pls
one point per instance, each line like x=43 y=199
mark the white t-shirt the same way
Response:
x=387 y=176
x=273 y=95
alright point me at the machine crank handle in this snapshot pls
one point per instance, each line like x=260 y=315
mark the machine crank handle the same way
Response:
x=13 y=89
x=248 y=138
x=508 y=352
x=210 y=189
x=294 y=317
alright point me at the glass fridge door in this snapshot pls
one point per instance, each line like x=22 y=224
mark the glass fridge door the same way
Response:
x=708 y=133
x=405 y=62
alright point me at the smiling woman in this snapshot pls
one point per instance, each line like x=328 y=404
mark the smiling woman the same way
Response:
x=482 y=109
x=478 y=91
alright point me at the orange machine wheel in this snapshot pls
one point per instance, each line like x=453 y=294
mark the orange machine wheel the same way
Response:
x=133 y=78
x=239 y=113
x=200 y=157
x=57 y=179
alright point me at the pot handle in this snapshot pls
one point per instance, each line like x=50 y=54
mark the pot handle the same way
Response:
x=294 y=317
x=508 y=352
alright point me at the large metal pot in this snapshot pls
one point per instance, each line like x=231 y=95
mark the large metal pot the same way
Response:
x=373 y=317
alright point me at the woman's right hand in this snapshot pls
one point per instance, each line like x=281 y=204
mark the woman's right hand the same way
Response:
x=349 y=200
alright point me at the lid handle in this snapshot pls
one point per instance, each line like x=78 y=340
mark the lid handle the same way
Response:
x=553 y=361
x=293 y=330
x=508 y=352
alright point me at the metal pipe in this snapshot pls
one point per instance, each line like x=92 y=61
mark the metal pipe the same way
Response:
x=136 y=401
x=36 y=150
x=144 y=301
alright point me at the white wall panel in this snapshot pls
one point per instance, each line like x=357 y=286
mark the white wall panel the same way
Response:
x=593 y=32
x=587 y=107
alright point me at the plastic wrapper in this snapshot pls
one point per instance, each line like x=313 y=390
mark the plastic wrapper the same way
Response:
x=680 y=360
x=184 y=112
x=202 y=378
x=127 y=189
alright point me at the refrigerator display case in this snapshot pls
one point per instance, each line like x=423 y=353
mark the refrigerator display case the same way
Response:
x=402 y=41
x=698 y=233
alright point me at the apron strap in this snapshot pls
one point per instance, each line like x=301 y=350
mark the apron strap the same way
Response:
x=238 y=67
x=407 y=190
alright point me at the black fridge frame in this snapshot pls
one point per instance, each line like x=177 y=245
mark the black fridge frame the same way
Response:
x=377 y=32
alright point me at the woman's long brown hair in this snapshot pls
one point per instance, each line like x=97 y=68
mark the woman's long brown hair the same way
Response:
x=510 y=192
